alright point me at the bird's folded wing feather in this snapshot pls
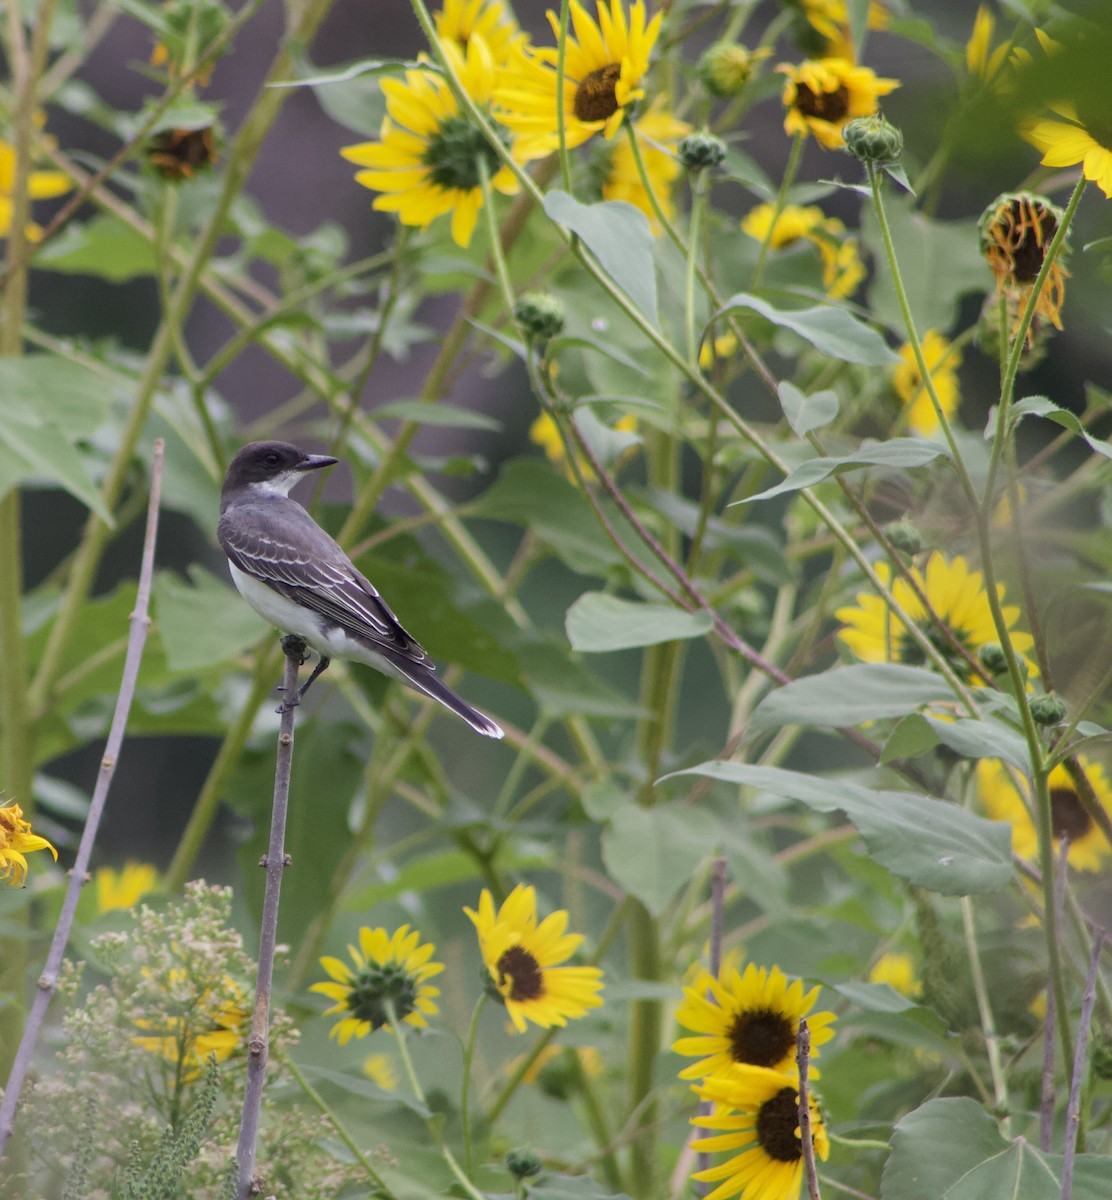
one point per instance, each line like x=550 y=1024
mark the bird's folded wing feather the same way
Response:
x=314 y=573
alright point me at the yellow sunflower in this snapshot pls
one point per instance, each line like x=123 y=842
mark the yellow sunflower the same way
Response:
x=1003 y=801
x=42 y=185
x=897 y=969
x=210 y=1021
x=749 y=1018
x=459 y=20
x=757 y=1112
x=999 y=64
x=522 y=959
x=831 y=19
x=842 y=268
x=942 y=363
x=605 y=64
x=1015 y=232
x=821 y=95
x=1075 y=139
x=124 y=888
x=16 y=841
x=657 y=133
x=958 y=597
x=425 y=163
x=391 y=972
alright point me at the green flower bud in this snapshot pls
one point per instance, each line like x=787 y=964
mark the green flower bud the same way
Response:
x=1048 y=710
x=992 y=658
x=539 y=315
x=904 y=536
x=523 y=1163
x=700 y=150
x=873 y=140
x=725 y=68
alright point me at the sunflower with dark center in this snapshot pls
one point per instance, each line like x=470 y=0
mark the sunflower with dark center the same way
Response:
x=181 y=153
x=756 y=1111
x=1007 y=797
x=749 y=1018
x=429 y=158
x=821 y=95
x=1016 y=230
x=605 y=64
x=522 y=960
x=388 y=981
x=957 y=598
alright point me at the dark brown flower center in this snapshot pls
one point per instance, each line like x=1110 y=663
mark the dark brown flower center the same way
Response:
x=179 y=153
x=761 y=1037
x=596 y=96
x=777 y=1122
x=825 y=106
x=524 y=973
x=1068 y=817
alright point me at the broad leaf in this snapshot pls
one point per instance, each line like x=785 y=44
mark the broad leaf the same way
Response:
x=204 y=622
x=104 y=246
x=988 y=738
x=846 y=696
x=1040 y=406
x=828 y=328
x=895 y=453
x=652 y=852
x=448 y=415
x=618 y=235
x=936 y=845
x=597 y=623
x=806 y=413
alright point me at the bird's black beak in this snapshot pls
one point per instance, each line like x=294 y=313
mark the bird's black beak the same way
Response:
x=314 y=462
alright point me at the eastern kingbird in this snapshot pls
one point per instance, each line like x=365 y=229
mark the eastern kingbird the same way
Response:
x=296 y=576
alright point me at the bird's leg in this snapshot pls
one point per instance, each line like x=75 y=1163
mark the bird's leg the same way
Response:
x=319 y=669
x=294 y=647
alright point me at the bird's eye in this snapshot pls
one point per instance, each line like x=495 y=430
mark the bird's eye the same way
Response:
x=272 y=459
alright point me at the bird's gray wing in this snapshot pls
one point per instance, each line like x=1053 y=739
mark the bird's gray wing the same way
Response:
x=279 y=544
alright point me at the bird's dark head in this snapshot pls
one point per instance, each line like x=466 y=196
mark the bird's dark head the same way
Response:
x=270 y=469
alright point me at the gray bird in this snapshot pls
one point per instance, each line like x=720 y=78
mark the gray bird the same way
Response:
x=296 y=577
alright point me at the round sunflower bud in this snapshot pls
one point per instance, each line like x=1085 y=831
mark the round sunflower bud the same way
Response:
x=992 y=658
x=904 y=536
x=539 y=315
x=700 y=150
x=725 y=68
x=873 y=140
x=1101 y=1055
x=523 y=1163
x=1048 y=710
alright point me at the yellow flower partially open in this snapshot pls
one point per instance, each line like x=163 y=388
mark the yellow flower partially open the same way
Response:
x=17 y=841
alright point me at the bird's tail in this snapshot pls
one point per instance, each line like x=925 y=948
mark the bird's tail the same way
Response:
x=422 y=677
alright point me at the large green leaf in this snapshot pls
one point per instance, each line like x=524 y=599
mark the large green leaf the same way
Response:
x=988 y=738
x=1040 y=406
x=846 y=696
x=806 y=413
x=527 y=492
x=204 y=622
x=597 y=623
x=828 y=328
x=931 y=843
x=897 y=453
x=652 y=852
x=104 y=247
x=50 y=404
x=618 y=235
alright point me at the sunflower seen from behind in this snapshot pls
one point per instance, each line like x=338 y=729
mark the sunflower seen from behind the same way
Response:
x=387 y=981
x=748 y=1017
x=523 y=961
x=426 y=163
x=605 y=63
x=756 y=1113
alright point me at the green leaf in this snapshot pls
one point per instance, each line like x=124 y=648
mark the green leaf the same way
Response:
x=938 y=260
x=204 y=622
x=987 y=738
x=564 y=688
x=652 y=852
x=1041 y=406
x=528 y=492
x=597 y=623
x=846 y=696
x=895 y=453
x=931 y=843
x=356 y=70
x=618 y=235
x=421 y=875
x=104 y=247
x=806 y=413
x=828 y=328
x=449 y=415
x=351 y=96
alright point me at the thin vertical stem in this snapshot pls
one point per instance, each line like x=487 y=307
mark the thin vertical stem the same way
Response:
x=988 y=1024
x=1047 y=1097
x=274 y=863
x=1073 y=1109
x=806 y=1139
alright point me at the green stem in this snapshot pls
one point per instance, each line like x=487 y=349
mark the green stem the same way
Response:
x=988 y=1024
x=465 y=1087
x=790 y=171
x=645 y=1032
x=699 y=189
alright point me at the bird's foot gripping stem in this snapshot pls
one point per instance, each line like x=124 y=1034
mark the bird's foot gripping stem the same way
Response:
x=295 y=647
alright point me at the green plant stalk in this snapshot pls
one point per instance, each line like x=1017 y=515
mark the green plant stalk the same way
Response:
x=790 y=171
x=561 y=117
x=646 y=1024
x=465 y=1085
x=431 y=1123
x=699 y=190
x=597 y=1120
x=1047 y=865
x=383 y=1189
x=988 y=1023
